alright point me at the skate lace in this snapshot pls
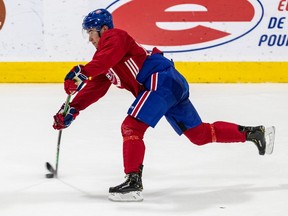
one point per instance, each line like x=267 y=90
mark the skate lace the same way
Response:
x=126 y=177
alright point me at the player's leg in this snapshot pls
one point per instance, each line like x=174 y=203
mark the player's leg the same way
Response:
x=133 y=145
x=133 y=155
x=147 y=109
x=185 y=119
x=223 y=132
x=226 y=132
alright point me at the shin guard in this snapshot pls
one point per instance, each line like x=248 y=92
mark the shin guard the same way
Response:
x=133 y=145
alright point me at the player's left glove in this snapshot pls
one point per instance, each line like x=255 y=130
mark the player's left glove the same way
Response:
x=75 y=80
x=61 y=120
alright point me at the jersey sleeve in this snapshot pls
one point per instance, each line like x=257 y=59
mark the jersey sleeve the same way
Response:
x=92 y=92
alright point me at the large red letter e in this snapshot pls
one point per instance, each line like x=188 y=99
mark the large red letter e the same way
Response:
x=139 y=18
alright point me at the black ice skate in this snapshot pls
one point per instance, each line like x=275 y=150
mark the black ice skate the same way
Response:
x=128 y=191
x=261 y=137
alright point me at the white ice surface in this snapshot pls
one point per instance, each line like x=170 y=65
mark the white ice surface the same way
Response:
x=179 y=178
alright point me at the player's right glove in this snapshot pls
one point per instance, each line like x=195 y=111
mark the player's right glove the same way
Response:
x=74 y=80
x=62 y=120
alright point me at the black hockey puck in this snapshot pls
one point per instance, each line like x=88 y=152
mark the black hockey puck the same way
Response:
x=49 y=175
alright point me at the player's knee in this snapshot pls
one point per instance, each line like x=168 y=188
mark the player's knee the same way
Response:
x=200 y=135
x=132 y=128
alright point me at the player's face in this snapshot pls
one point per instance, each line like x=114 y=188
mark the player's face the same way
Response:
x=93 y=37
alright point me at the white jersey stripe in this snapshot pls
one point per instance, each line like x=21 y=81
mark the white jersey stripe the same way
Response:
x=130 y=69
x=135 y=65
x=133 y=68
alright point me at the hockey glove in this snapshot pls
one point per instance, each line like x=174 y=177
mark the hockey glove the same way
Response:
x=74 y=80
x=61 y=120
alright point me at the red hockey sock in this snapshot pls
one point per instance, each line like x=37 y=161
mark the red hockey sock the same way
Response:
x=223 y=132
x=133 y=155
x=133 y=146
x=228 y=132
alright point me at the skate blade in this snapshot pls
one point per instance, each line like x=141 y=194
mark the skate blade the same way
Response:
x=270 y=138
x=133 y=196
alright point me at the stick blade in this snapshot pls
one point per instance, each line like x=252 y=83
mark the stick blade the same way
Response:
x=49 y=175
x=50 y=167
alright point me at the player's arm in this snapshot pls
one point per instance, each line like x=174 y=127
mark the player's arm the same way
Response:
x=95 y=88
x=92 y=92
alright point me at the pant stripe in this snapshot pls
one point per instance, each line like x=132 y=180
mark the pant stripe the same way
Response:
x=144 y=97
x=140 y=103
x=154 y=82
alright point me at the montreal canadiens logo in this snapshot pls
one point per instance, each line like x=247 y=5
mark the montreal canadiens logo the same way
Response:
x=186 y=25
x=2 y=13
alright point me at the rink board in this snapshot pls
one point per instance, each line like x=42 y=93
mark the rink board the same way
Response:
x=195 y=72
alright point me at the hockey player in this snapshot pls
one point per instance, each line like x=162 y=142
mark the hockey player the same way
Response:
x=159 y=90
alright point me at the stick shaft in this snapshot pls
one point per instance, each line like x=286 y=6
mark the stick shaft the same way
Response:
x=60 y=135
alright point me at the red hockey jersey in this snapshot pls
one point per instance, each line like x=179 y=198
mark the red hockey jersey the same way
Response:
x=117 y=61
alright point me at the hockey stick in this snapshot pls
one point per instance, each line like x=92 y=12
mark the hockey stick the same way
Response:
x=54 y=172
